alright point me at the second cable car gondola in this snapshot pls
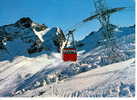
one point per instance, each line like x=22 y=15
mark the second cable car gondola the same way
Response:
x=69 y=53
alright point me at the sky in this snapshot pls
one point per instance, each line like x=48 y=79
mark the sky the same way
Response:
x=65 y=13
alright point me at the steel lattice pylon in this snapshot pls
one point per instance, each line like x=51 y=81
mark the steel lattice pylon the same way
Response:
x=112 y=52
x=100 y=6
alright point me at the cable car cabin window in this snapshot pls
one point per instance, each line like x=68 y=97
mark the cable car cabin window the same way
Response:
x=67 y=51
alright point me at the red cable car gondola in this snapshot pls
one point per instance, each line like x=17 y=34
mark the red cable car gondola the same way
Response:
x=69 y=53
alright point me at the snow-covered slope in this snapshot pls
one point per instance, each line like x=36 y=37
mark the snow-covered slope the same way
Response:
x=45 y=74
x=112 y=81
x=41 y=76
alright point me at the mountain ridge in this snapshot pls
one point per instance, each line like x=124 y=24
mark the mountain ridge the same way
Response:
x=37 y=38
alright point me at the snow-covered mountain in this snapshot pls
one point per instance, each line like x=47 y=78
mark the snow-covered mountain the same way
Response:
x=26 y=37
x=95 y=38
x=47 y=75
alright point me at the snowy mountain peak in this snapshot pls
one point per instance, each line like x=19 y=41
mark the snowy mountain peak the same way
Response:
x=30 y=37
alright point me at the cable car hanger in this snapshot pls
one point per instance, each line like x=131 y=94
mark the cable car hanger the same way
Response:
x=70 y=53
x=70 y=33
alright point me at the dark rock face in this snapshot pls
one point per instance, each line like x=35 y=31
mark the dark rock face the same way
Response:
x=53 y=40
x=35 y=47
x=58 y=41
x=40 y=27
x=25 y=22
